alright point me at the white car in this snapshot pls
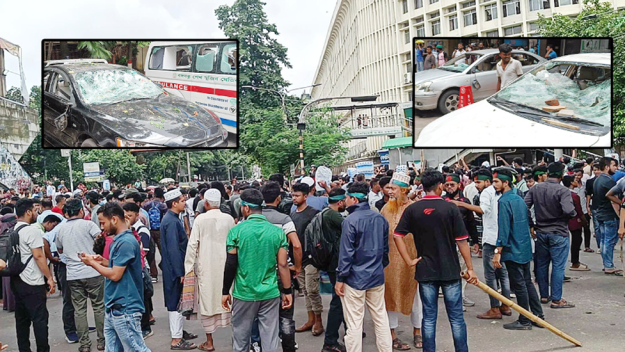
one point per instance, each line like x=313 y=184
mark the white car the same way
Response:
x=516 y=117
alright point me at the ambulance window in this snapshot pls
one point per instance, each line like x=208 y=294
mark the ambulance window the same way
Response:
x=205 y=59
x=229 y=59
x=171 y=58
x=156 y=59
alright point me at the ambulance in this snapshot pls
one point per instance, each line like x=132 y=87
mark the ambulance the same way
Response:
x=204 y=72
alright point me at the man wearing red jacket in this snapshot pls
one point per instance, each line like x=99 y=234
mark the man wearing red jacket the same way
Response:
x=576 y=224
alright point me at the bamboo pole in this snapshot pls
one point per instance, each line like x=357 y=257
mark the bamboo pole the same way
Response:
x=523 y=311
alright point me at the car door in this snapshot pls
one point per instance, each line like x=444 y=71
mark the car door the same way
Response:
x=484 y=77
x=528 y=61
x=59 y=103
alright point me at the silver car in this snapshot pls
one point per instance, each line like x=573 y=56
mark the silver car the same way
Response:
x=438 y=88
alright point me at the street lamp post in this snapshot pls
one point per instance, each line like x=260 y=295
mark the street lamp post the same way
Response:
x=301 y=122
x=282 y=93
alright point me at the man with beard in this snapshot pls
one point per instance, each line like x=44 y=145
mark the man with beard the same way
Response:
x=514 y=248
x=553 y=207
x=400 y=293
x=488 y=208
x=454 y=194
x=508 y=69
x=606 y=215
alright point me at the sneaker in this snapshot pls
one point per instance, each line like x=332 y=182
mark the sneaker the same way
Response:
x=255 y=347
x=467 y=302
x=598 y=251
x=72 y=338
x=147 y=334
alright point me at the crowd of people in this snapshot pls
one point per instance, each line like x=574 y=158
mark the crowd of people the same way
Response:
x=238 y=255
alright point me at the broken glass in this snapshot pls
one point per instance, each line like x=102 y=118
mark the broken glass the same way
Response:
x=588 y=99
x=460 y=63
x=112 y=86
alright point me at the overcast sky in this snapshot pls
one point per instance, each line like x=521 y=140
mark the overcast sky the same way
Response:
x=302 y=25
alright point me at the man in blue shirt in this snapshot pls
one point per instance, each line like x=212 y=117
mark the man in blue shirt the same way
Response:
x=514 y=248
x=551 y=54
x=419 y=56
x=363 y=256
x=123 y=287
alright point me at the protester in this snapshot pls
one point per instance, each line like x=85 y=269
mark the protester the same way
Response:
x=156 y=211
x=553 y=207
x=591 y=206
x=550 y=54
x=174 y=242
x=576 y=224
x=508 y=69
x=419 y=53
x=29 y=287
x=255 y=247
x=430 y=59
x=76 y=236
x=580 y=179
x=442 y=56
x=360 y=273
x=385 y=186
x=514 y=248
x=488 y=208
x=459 y=51
x=309 y=276
x=400 y=290
x=123 y=296
x=438 y=228
x=606 y=215
x=208 y=240
x=375 y=194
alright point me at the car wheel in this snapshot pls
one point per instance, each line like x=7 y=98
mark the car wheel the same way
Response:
x=89 y=143
x=448 y=101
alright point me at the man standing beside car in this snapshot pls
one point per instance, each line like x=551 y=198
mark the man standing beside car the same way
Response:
x=508 y=69
x=458 y=51
x=430 y=59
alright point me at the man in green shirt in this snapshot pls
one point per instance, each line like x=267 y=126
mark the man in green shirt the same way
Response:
x=255 y=246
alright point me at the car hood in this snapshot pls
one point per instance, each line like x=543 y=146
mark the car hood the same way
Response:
x=484 y=125
x=163 y=120
x=435 y=73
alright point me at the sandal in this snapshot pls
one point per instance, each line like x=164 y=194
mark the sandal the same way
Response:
x=400 y=346
x=614 y=272
x=418 y=341
x=3 y=346
x=544 y=300
x=183 y=345
x=589 y=250
x=562 y=304
x=203 y=347
x=580 y=267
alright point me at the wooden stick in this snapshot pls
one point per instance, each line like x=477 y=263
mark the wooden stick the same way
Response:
x=523 y=311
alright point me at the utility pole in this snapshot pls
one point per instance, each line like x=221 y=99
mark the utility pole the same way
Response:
x=189 y=168
x=71 y=177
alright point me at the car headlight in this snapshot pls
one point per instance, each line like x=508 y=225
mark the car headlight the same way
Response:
x=423 y=86
x=124 y=143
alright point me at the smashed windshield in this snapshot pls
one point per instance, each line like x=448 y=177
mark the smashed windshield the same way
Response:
x=460 y=63
x=578 y=90
x=112 y=86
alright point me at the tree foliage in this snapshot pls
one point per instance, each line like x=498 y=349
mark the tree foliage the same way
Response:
x=597 y=19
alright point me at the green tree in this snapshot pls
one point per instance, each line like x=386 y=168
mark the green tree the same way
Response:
x=597 y=19
x=261 y=56
x=119 y=166
x=97 y=49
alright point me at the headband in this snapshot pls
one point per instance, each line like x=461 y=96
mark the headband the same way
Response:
x=483 y=178
x=538 y=173
x=357 y=195
x=555 y=173
x=400 y=183
x=502 y=177
x=339 y=197
x=452 y=178
x=251 y=205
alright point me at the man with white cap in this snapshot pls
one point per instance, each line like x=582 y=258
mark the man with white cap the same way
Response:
x=173 y=250
x=209 y=234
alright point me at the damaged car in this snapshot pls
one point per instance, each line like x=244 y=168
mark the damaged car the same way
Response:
x=91 y=103
x=563 y=102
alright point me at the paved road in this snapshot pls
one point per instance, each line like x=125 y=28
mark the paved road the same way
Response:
x=597 y=321
x=423 y=118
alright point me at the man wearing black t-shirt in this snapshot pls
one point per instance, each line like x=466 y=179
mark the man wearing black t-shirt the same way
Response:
x=437 y=227
x=384 y=181
x=606 y=214
x=309 y=276
x=591 y=209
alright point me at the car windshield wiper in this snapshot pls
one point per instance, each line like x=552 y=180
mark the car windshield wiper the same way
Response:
x=529 y=110
x=578 y=120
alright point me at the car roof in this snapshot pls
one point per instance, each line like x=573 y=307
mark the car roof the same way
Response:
x=495 y=51
x=87 y=66
x=589 y=58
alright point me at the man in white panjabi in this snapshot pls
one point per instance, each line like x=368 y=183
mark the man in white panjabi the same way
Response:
x=206 y=257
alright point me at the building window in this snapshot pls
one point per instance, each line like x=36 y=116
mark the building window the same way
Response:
x=453 y=22
x=435 y=14
x=470 y=18
x=533 y=26
x=418 y=4
x=468 y=4
x=404 y=4
x=512 y=8
x=406 y=37
x=436 y=27
x=513 y=30
x=491 y=12
x=419 y=19
x=536 y=5
x=421 y=31
x=451 y=9
x=558 y=3
x=492 y=33
x=433 y=1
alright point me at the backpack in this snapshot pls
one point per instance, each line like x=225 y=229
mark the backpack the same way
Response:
x=285 y=204
x=319 y=247
x=10 y=252
x=154 y=215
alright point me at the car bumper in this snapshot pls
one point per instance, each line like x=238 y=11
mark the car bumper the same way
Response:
x=426 y=100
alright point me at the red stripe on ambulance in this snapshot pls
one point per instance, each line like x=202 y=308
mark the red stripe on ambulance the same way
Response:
x=198 y=89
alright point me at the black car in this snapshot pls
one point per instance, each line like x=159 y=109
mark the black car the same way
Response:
x=90 y=103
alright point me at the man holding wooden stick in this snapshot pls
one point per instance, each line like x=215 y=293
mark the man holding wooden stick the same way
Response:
x=514 y=248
